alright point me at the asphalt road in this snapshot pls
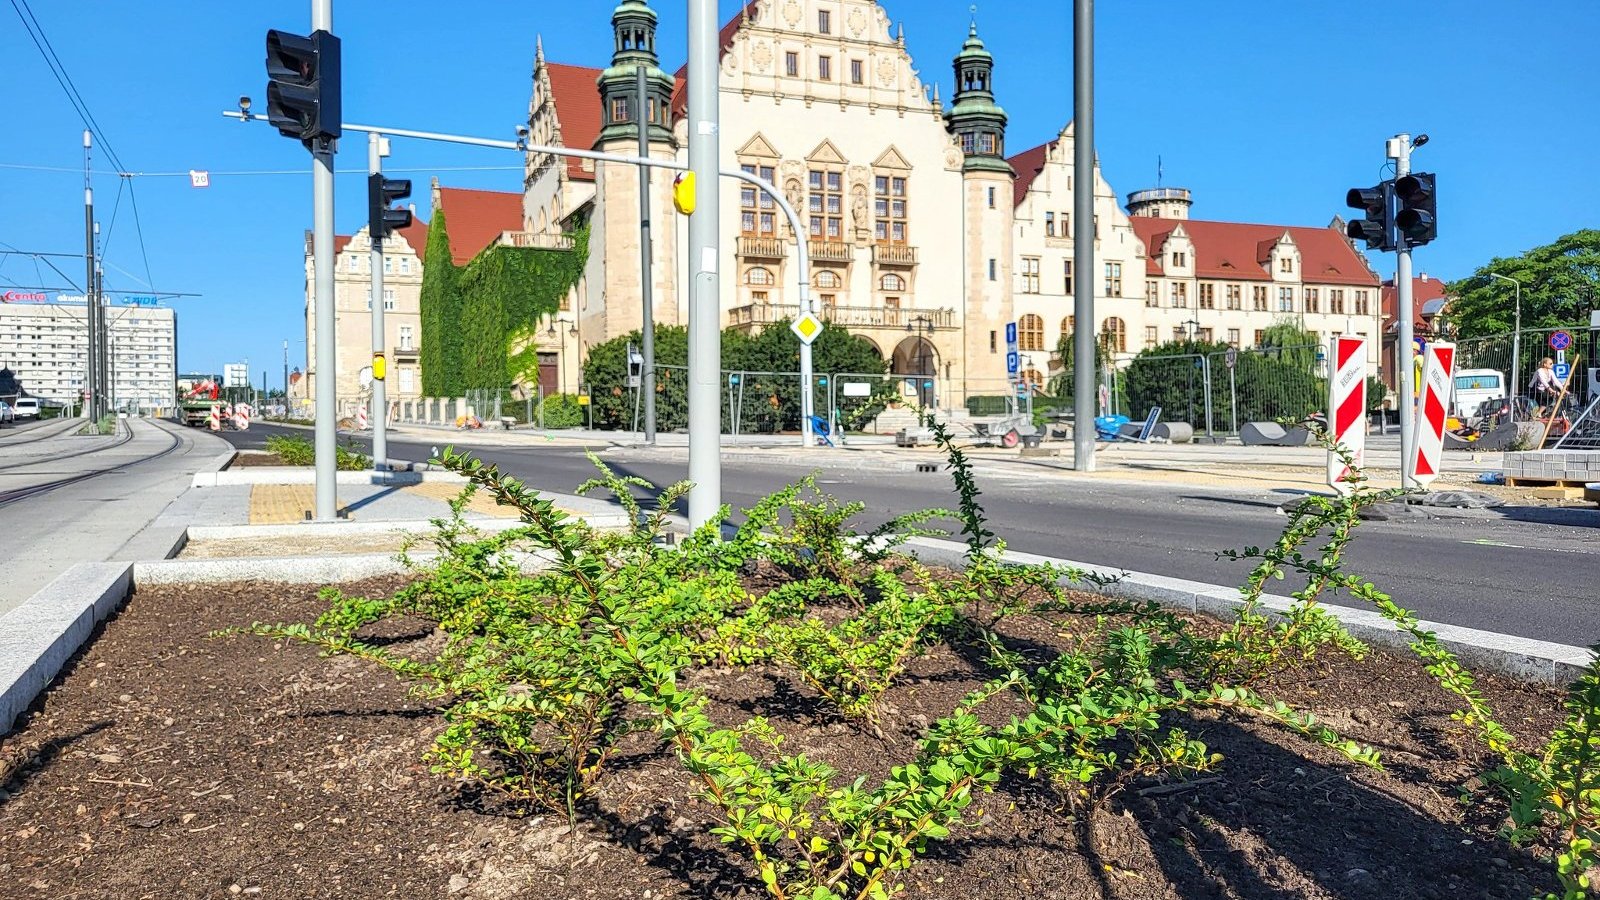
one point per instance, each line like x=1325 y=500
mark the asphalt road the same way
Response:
x=1534 y=573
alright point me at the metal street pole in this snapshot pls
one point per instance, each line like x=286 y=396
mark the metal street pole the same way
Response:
x=646 y=259
x=92 y=381
x=705 y=253
x=327 y=439
x=380 y=391
x=1399 y=150
x=1516 y=344
x=286 y=377
x=1083 y=245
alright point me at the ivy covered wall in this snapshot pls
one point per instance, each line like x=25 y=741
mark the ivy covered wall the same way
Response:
x=478 y=321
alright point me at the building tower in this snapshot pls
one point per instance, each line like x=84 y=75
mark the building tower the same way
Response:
x=979 y=127
x=615 y=236
x=1161 y=203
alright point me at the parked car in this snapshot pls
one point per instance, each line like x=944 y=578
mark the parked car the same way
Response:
x=26 y=408
x=7 y=414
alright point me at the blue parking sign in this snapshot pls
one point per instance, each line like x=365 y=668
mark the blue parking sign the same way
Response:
x=1563 y=371
x=1013 y=362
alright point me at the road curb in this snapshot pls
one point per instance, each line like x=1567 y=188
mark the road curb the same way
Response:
x=1523 y=658
x=38 y=638
x=299 y=475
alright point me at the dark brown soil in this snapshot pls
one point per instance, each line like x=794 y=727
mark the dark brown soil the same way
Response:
x=246 y=460
x=168 y=764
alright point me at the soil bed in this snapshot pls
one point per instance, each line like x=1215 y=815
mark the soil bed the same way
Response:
x=168 y=764
x=252 y=458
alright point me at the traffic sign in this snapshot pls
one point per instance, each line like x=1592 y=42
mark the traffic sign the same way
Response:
x=807 y=327
x=1560 y=340
x=1013 y=362
x=1437 y=381
x=1563 y=371
x=1011 y=335
x=1232 y=357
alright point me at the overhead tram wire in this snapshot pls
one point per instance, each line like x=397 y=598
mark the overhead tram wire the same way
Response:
x=258 y=172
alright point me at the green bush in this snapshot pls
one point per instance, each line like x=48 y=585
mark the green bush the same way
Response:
x=299 y=451
x=560 y=411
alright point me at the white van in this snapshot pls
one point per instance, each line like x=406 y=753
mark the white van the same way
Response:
x=26 y=407
x=1473 y=387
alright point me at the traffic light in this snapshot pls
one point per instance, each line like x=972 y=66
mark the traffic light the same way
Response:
x=382 y=219
x=1377 y=229
x=1417 y=216
x=303 y=85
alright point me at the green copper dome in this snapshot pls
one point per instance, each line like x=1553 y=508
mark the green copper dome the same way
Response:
x=629 y=8
x=974 y=48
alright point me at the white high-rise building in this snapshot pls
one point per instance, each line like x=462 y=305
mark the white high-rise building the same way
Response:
x=46 y=346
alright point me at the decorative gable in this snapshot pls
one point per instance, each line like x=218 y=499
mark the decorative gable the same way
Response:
x=891 y=159
x=758 y=147
x=827 y=154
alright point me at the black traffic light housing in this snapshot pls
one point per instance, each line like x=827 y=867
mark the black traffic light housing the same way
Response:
x=382 y=219
x=1377 y=228
x=1418 y=207
x=303 y=85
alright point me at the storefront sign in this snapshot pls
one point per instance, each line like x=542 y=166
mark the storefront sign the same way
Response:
x=23 y=297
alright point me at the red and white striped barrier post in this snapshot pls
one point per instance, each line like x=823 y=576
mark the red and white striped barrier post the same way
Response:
x=1438 y=376
x=1347 y=408
x=241 y=416
x=214 y=420
x=361 y=417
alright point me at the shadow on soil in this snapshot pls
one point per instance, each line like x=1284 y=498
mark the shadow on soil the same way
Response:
x=24 y=762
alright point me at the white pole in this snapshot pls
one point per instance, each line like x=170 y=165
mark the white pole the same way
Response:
x=1516 y=345
x=705 y=254
x=327 y=497
x=1083 y=401
x=1400 y=152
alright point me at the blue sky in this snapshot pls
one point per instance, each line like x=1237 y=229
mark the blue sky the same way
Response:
x=1268 y=111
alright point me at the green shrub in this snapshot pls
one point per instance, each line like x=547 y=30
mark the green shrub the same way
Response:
x=560 y=411
x=294 y=450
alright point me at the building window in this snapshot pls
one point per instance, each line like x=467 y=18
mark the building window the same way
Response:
x=1180 y=295
x=619 y=109
x=1285 y=299
x=1313 y=302
x=991 y=198
x=1113 y=279
x=889 y=226
x=1179 y=260
x=408 y=380
x=759 y=298
x=1286 y=264
x=388 y=265
x=1030 y=274
x=1258 y=297
x=829 y=280
x=1114 y=335
x=1234 y=297
x=1152 y=293
x=830 y=302
x=791 y=64
x=892 y=283
x=994 y=342
x=1336 y=302
x=1032 y=379
x=405 y=338
x=405 y=265
x=355 y=262
x=1152 y=336
x=757 y=210
x=969 y=146
x=857 y=72
x=824 y=22
x=1233 y=338
x=389 y=302
x=760 y=276
x=993 y=273
x=1030 y=333
x=1260 y=338
x=1066 y=267
x=1049 y=224
x=825 y=68
x=1208 y=296
x=987 y=143
x=1069 y=325
x=1363 y=304
x=827 y=205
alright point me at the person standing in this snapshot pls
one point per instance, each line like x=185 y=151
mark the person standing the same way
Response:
x=1545 y=386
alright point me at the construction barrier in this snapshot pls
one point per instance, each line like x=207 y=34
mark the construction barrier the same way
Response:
x=1347 y=409
x=1438 y=378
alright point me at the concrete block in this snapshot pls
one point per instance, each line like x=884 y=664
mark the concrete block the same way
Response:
x=40 y=636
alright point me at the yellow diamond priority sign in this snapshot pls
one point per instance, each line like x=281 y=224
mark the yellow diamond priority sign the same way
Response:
x=807 y=327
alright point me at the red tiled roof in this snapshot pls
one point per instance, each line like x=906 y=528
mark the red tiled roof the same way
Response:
x=1028 y=164
x=340 y=241
x=1423 y=289
x=680 y=88
x=476 y=219
x=1237 y=250
x=576 y=95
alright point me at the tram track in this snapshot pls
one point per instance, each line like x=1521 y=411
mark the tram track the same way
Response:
x=14 y=495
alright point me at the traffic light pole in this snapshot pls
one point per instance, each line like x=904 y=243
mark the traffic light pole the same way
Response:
x=705 y=254
x=1400 y=152
x=91 y=310
x=380 y=373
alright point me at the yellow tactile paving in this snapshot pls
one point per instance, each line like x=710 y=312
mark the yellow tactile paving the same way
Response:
x=280 y=504
x=482 y=503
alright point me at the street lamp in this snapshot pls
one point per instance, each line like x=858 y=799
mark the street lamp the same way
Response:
x=922 y=325
x=1516 y=340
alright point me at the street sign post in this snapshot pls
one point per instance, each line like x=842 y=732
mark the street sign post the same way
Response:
x=1438 y=375
x=1347 y=409
x=1560 y=340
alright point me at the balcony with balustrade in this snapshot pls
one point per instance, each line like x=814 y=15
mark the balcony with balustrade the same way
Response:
x=757 y=247
x=527 y=240
x=755 y=316
x=830 y=251
x=894 y=255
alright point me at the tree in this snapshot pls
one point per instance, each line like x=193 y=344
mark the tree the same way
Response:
x=1171 y=376
x=1277 y=382
x=440 y=354
x=1064 y=385
x=1560 y=286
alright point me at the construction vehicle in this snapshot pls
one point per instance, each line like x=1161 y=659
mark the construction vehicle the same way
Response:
x=196 y=398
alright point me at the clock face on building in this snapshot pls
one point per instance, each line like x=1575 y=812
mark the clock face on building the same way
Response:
x=887 y=71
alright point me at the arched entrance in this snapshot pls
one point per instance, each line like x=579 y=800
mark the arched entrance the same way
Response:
x=916 y=358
